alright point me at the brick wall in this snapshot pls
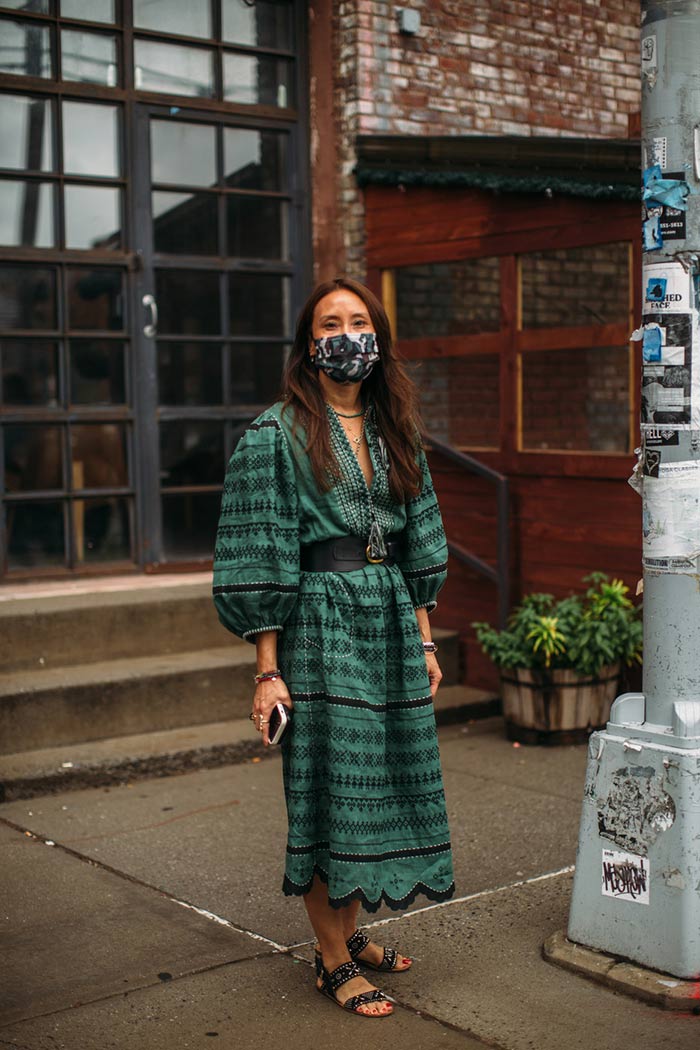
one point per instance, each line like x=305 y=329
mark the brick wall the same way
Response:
x=523 y=67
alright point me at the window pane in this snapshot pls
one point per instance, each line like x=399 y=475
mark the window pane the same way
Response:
x=258 y=80
x=29 y=372
x=98 y=456
x=35 y=535
x=183 y=154
x=95 y=11
x=185 y=223
x=174 y=16
x=37 y=7
x=191 y=453
x=90 y=139
x=256 y=373
x=188 y=302
x=189 y=524
x=102 y=529
x=33 y=459
x=26 y=214
x=473 y=399
x=255 y=160
x=25 y=133
x=575 y=286
x=95 y=299
x=257 y=228
x=173 y=69
x=189 y=374
x=27 y=297
x=93 y=217
x=433 y=381
x=258 y=304
x=97 y=372
x=260 y=25
x=448 y=298
x=26 y=49
x=88 y=57
x=576 y=399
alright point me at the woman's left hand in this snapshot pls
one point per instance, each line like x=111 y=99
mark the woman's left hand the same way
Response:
x=434 y=673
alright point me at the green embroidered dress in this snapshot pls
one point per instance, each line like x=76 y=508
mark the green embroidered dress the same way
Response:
x=362 y=772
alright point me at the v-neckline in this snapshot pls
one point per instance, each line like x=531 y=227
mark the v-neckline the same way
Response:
x=368 y=485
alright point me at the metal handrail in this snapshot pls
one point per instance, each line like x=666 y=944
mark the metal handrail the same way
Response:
x=500 y=575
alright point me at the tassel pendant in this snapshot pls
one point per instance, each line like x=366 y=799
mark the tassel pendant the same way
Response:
x=376 y=547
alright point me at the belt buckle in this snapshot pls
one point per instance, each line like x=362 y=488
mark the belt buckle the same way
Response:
x=372 y=561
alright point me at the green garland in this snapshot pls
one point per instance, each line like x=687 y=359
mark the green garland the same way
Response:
x=498 y=183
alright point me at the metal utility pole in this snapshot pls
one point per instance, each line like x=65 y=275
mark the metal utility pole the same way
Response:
x=637 y=885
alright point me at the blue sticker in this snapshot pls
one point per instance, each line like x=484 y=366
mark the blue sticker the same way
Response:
x=654 y=172
x=656 y=289
x=671 y=193
x=651 y=344
x=651 y=233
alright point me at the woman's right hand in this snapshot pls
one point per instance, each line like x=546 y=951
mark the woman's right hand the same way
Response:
x=267 y=694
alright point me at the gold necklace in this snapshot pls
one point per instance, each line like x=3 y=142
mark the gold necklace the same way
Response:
x=356 y=441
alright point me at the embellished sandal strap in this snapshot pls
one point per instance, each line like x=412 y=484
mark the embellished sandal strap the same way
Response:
x=318 y=959
x=341 y=975
x=390 y=959
x=357 y=943
x=364 y=998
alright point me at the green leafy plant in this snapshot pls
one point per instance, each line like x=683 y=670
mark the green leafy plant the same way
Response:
x=582 y=632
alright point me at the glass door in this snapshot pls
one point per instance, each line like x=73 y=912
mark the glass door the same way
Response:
x=154 y=242
x=66 y=366
x=218 y=223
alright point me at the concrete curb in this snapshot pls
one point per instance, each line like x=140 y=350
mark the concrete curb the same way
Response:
x=116 y=760
x=651 y=986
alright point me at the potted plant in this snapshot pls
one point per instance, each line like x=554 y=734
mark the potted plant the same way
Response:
x=560 y=661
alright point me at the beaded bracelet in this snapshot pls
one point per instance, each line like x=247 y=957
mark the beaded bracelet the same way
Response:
x=267 y=676
x=429 y=647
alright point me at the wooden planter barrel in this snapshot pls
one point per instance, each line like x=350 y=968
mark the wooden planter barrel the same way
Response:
x=556 y=707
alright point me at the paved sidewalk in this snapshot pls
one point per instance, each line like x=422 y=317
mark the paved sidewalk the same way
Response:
x=149 y=916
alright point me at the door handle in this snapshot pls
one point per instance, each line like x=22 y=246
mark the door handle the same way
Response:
x=149 y=301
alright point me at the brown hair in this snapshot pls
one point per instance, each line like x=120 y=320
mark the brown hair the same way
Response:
x=388 y=389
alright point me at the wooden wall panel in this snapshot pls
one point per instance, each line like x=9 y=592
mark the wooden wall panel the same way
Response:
x=561 y=530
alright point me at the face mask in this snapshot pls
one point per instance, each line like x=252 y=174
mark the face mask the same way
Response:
x=346 y=358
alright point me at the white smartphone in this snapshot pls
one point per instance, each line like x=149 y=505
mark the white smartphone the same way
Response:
x=280 y=717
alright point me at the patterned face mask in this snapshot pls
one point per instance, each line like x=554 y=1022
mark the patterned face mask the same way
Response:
x=346 y=358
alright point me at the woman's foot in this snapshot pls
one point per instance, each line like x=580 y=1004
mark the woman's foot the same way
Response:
x=351 y=990
x=366 y=952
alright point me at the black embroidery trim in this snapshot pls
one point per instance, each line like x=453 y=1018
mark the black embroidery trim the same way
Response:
x=351 y=701
x=265 y=423
x=370 y=858
x=290 y=889
x=232 y=588
x=432 y=570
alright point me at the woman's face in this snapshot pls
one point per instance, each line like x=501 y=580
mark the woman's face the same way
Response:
x=340 y=311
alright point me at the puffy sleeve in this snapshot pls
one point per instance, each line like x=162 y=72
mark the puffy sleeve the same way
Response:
x=256 y=559
x=424 y=555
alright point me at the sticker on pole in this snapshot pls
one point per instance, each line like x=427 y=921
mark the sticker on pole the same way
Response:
x=666 y=287
x=625 y=876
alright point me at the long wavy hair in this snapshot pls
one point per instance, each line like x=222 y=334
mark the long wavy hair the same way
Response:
x=388 y=388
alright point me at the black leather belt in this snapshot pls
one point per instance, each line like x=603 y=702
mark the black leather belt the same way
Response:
x=345 y=554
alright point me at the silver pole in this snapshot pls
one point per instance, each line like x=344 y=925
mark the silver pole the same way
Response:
x=638 y=863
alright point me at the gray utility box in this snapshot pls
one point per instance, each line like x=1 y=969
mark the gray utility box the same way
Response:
x=637 y=884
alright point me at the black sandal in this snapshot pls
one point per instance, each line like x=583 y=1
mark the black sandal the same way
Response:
x=357 y=944
x=331 y=982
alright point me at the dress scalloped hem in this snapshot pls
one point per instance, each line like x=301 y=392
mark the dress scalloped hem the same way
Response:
x=420 y=889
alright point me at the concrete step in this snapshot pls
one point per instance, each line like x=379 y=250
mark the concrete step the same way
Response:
x=68 y=705
x=121 y=759
x=141 y=619
x=63 y=703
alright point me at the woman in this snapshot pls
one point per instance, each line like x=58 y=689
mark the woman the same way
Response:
x=330 y=554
